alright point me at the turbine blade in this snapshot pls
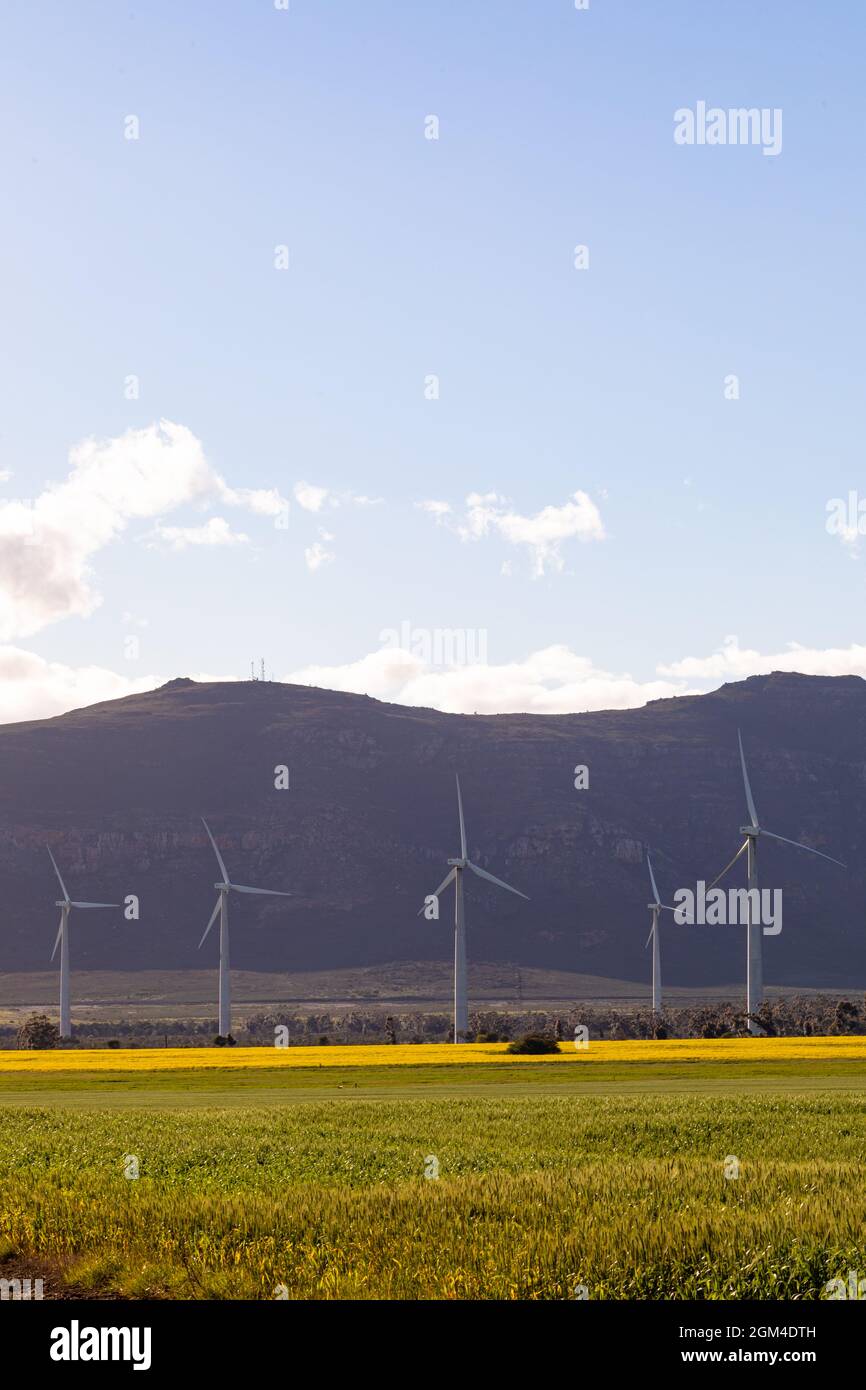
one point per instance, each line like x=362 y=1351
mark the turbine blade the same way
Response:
x=94 y=904
x=267 y=892
x=743 y=846
x=216 y=851
x=59 y=934
x=650 y=937
x=57 y=871
x=462 y=823
x=649 y=864
x=213 y=918
x=808 y=848
x=749 y=798
x=444 y=884
x=482 y=873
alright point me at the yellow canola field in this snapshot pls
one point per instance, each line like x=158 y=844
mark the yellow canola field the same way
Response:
x=850 y=1049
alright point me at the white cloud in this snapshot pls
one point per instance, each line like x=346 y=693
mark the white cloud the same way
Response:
x=384 y=674
x=260 y=501
x=556 y=680
x=552 y=681
x=214 y=532
x=32 y=688
x=437 y=509
x=313 y=498
x=732 y=662
x=317 y=555
x=47 y=544
x=543 y=534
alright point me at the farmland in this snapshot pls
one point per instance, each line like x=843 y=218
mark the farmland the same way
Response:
x=275 y=1059
x=650 y=1170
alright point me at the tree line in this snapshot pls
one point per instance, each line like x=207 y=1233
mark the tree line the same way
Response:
x=795 y=1016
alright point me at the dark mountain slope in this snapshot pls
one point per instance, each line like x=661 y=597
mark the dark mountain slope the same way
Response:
x=369 y=820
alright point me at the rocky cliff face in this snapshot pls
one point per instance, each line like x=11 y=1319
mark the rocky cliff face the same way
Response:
x=369 y=818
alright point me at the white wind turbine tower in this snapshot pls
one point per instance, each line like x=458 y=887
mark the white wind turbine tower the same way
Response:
x=461 y=1014
x=222 y=907
x=754 y=929
x=62 y=940
x=655 y=907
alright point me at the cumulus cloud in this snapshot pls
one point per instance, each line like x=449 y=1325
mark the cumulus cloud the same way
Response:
x=310 y=497
x=551 y=681
x=439 y=510
x=260 y=501
x=314 y=499
x=317 y=554
x=556 y=680
x=214 y=532
x=33 y=688
x=543 y=534
x=732 y=662
x=47 y=544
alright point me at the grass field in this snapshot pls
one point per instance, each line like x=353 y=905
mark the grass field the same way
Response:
x=475 y=1175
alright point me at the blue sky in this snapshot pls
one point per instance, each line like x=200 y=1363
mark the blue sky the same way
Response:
x=698 y=517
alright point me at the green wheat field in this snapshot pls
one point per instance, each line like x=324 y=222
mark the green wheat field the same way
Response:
x=468 y=1186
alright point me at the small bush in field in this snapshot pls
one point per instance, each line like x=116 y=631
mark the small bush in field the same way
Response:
x=534 y=1043
x=38 y=1032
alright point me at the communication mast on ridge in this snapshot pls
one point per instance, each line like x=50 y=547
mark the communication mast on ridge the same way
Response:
x=261 y=676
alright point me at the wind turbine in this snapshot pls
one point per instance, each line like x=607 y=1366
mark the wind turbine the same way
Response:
x=655 y=907
x=754 y=929
x=461 y=1014
x=62 y=940
x=225 y=887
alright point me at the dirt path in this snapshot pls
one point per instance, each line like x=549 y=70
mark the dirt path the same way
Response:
x=53 y=1286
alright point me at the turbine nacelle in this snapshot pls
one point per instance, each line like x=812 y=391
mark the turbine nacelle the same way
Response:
x=458 y=863
x=225 y=886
